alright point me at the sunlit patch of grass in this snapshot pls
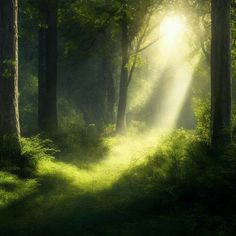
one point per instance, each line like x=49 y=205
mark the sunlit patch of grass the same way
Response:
x=140 y=175
x=125 y=152
x=68 y=192
x=12 y=188
x=57 y=181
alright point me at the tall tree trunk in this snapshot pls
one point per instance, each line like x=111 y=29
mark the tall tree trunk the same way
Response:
x=9 y=114
x=47 y=108
x=110 y=94
x=221 y=72
x=121 y=113
x=42 y=101
x=109 y=89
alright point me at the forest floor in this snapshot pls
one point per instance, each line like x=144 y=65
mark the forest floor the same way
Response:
x=97 y=191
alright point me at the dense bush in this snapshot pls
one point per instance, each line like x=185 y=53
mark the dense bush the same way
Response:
x=202 y=113
x=34 y=149
x=190 y=178
x=71 y=126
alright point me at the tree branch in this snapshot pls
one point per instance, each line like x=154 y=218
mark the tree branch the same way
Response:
x=140 y=41
x=149 y=45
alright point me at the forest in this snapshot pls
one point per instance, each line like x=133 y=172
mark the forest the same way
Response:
x=117 y=117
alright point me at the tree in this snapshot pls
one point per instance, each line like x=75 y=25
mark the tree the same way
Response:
x=108 y=86
x=120 y=122
x=88 y=33
x=198 y=15
x=134 y=24
x=221 y=72
x=9 y=115
x=47 y=101
x=110 y=90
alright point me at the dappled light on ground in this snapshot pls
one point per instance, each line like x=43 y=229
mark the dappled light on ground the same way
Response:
x=125 y=153
x=66 y=190
x=12 y=188
x=111 y=134
x=78 y=196
x=173 y=77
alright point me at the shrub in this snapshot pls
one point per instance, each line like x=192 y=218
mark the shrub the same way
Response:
x=72 y=126
x=202 y=113
x=34 y=149
x=190 y=176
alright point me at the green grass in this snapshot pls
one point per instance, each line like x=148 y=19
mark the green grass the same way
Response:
x=137 y=185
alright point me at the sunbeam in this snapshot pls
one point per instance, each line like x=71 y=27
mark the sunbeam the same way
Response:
x=170 y=71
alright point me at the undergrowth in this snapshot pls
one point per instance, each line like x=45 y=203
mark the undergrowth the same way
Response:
x=33 y=150
x=187 y=177
x=180 y=186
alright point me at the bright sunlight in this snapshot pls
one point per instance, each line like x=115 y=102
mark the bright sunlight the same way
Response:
x=171 y=67
x=173 y=26
x=112 y=134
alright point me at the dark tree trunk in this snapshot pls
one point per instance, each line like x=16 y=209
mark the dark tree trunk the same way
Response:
x=42 y=102
x=121 y=113
x=221 y=72
x=47 y=108
x=110 y=94
x=109 y=89
x=9 y=115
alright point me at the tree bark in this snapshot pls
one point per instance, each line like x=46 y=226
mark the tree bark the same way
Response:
x=121 y=113
x=221 y=72
x=9 y=115
x=47 y=101
x=110 y=94
x=109 y=89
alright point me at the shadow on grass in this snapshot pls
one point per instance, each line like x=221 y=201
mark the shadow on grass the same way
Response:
x=85 y=155
x=156 y=197
x=58 y=207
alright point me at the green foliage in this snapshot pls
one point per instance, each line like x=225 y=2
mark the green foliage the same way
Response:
x=28 y=102
x=37 y=148
x=25 y=159
x=33 y=150
x=8 y=68
x=109 y=130
x=9 y=151
x=72 y=126
x=12 y=188
x=136 y=184
x=136 y=127
x=192 y=180
x=202 y=113
x=70 y=118
x=182 y=188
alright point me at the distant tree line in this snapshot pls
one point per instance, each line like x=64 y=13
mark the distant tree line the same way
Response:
x=117 y=22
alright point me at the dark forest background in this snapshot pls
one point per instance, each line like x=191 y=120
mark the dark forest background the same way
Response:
x=91 y=142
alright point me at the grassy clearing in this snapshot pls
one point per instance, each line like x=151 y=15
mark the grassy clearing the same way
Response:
x=140 y=185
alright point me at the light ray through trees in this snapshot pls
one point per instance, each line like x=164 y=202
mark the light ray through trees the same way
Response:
x=172 y=67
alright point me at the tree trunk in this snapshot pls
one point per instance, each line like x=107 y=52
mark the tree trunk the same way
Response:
x=109 y=89
x=47 y=104
x=110 y=94
x=221 y=72
x=121 y=113
x=9 y=115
